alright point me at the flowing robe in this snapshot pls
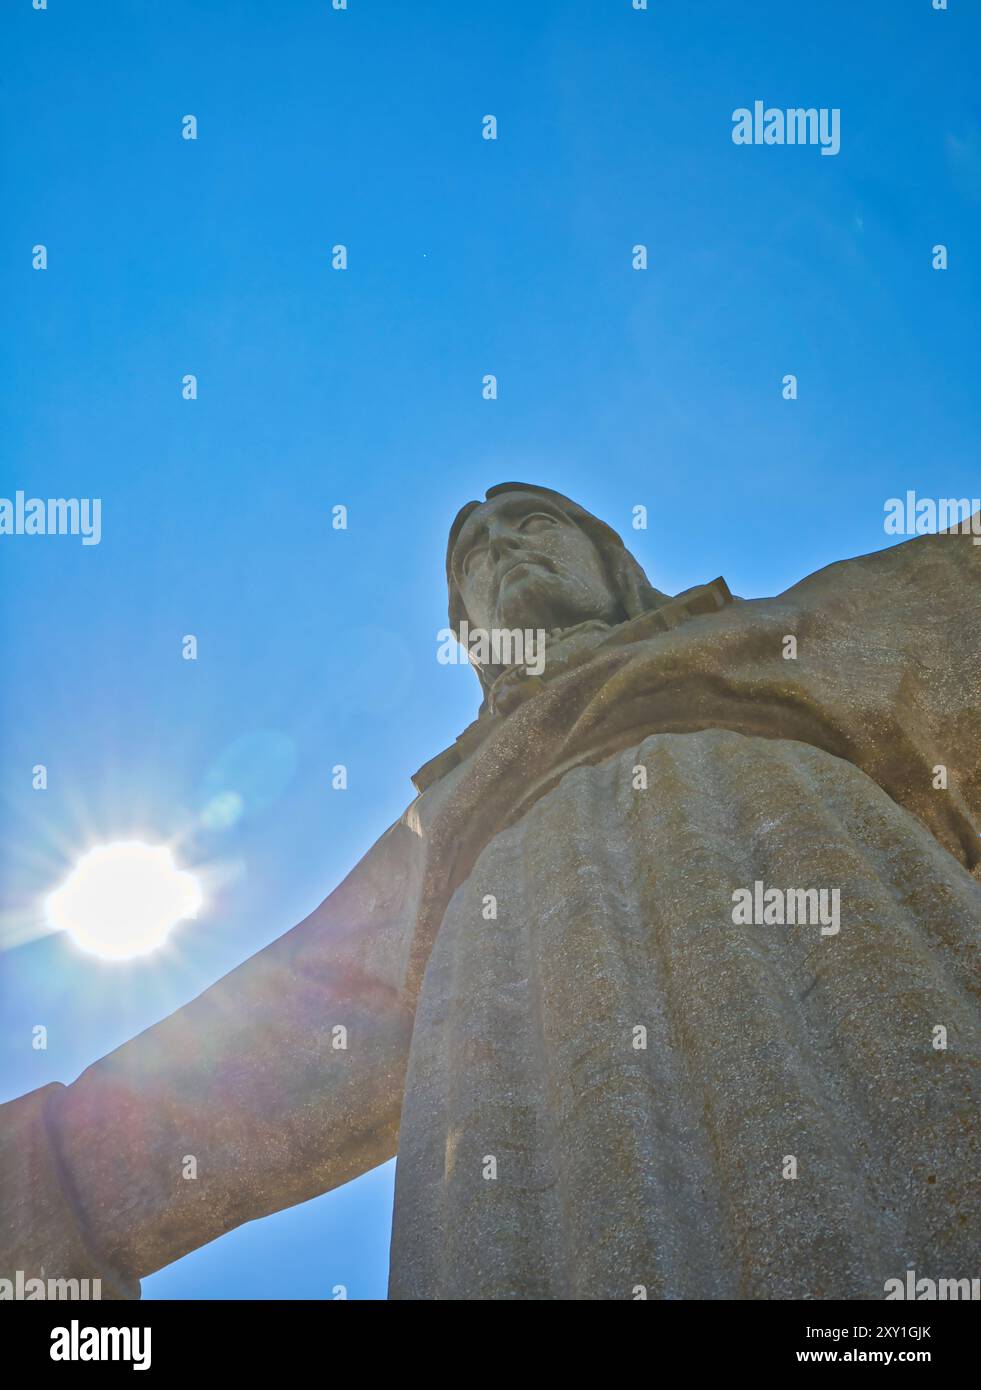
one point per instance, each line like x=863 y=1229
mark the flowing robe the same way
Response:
x=598 y=1091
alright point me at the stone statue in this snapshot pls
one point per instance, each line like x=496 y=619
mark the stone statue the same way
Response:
x=665 y=985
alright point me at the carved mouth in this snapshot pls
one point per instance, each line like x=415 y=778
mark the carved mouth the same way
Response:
x=526 y=562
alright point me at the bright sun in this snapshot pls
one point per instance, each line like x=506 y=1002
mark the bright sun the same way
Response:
x=122 y=900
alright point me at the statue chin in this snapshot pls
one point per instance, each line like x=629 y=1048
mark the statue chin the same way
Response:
x=547 y=601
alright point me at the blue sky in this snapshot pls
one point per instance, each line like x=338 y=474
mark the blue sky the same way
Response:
x=363 y=387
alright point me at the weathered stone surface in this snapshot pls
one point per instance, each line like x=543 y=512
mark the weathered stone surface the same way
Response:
x=616 y=1167
x=661 y=1167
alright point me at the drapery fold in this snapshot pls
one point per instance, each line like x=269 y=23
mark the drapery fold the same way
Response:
x=660 y=1168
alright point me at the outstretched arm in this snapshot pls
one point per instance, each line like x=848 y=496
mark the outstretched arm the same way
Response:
x=281 y=1081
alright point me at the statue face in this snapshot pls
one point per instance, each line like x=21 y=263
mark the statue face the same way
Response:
x=520 y=562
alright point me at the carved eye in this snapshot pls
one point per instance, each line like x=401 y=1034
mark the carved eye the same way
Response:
x=538 y=521
x=474 y=558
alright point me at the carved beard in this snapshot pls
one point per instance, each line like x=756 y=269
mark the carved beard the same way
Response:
x=540 y=598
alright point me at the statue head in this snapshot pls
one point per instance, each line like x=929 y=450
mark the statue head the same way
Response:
x=529 y=558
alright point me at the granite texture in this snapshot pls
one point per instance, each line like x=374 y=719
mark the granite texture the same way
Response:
x=660 y=1168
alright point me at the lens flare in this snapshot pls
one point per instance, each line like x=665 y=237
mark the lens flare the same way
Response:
x=123 y=900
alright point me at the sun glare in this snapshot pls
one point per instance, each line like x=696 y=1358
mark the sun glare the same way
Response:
x=122 y=900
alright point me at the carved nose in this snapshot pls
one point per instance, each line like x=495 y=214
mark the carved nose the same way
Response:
x=503 y=543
